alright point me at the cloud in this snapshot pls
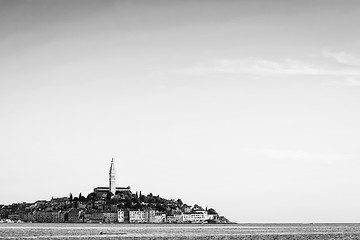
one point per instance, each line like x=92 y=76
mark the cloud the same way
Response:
x=342 y=58
x=351 y=81
x=264 y=68
x=291 y=155
x=250 y=66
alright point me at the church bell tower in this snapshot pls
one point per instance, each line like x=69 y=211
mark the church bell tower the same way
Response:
x=112 y=179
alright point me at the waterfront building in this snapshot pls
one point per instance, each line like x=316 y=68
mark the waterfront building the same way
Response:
x=86 y=216
x=159 y=217
x=137 y=216
x=211 y=216
x=178 y=218
x=74 y=215
x=43 y=217
x=121 y=216
x=187 y=218
x=55 y=216
x=170 y=218
x=22 y=216
x=110 y=217
x=27 y=217
x=103 y=217
x=150 y=216
x=198 y=217
x=62 y=216
x=97 y=217
x=14 y=217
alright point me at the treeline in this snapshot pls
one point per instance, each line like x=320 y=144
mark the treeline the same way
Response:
x=134 y=201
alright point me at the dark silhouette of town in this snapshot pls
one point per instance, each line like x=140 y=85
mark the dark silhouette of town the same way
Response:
x=109 y=205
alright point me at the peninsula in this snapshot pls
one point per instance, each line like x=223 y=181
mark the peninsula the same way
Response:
x=109 y=205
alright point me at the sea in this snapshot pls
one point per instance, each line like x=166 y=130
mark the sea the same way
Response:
x=179 y=231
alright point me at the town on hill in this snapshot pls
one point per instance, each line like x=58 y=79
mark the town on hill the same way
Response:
x=109 y=205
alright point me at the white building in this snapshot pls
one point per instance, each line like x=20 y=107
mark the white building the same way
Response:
x=137 y=216
x=150 y=216
x=121 y=216
x=170 y=218
x=187 y=217
x=103 y=191
x=110 y=217
x=178 y=218
x=196 y=217
x=112 y=178
x=199 y=216
x=159 y=217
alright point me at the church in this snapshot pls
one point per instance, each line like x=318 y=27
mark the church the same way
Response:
x=112 y=183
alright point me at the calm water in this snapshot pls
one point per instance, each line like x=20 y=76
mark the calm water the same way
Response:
x=151 y=231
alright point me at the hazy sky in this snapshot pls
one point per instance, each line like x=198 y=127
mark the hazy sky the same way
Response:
x=249 y=107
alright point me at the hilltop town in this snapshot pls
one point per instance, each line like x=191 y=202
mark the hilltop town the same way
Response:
x=109 y=205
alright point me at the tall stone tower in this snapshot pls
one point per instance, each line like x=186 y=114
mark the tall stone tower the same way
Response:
x=112 y=179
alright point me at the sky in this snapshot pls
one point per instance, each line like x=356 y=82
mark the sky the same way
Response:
x=249 y=107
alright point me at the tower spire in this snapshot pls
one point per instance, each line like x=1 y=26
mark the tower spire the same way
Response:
x=112 y=178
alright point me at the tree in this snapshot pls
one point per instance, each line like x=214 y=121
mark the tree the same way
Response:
x=159 y=207
x=70 y=197
x=128 y=202
x=197 y=207
x=211 y=211
x=108 y=197
x=81 y=198
x=91 y=196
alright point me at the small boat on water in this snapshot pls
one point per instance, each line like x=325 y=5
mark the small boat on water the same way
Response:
x=120 y=233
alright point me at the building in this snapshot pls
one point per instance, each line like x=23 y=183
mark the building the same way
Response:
x=121 y=216
x=170 y=218
x=178 y=218
x=150 y=216
x=101 y=191
x=110 y=217
x=101 y=217
x=137 y=216
x=27 y=217
x=97 y=217
x=43 y=217
x=14 y=217
x=199 y=216
x=55 y=216
x=74 y=215
x=187 y=218
x=112 y=178
x=187 y=209
x=159 y=217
